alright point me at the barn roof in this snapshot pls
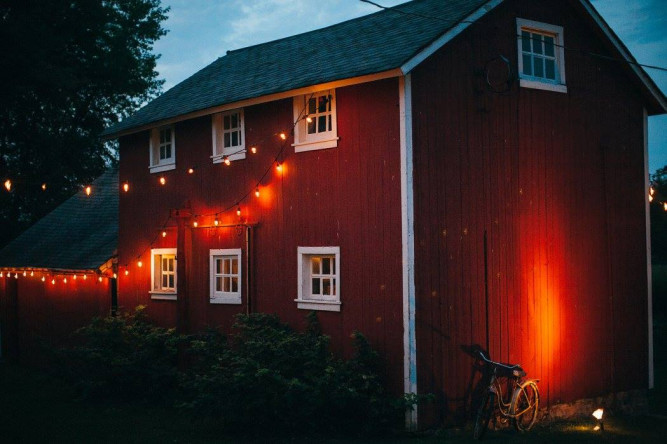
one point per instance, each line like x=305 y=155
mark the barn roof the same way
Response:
x=391 y=39
x=80 y=234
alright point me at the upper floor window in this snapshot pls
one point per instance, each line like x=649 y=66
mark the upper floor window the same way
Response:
x=228 y=136
x=163 y=273
x=541 y=56
x=316 y=126
x=162 y=149
x=319 y=278
x=225 y=276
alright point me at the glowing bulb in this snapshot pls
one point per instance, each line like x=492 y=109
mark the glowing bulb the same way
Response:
x=279 y=166
x=227 y=161
x=115 y=276
x=162 y=180
x=126 y=187
x=16 y=275
x=88 y=190
x=664 y=205
x=195 y=223
x=164 y=234
x=191 y=170
x=53 y=282
x=283 y=136
x=127 y=272
x=74 y=277
x=43 y=279
x=598 y=414
x=8 y=185
x=309 y=119
x=253 y=150
x=43 y=187
x=32 y=273
x=650 y=198
x=257 y=191
x=140 y=264
x=238 y=211
x=1 y=275
x=25 y=273
x=85 y=277
x=99 y=278
x=216 y=221
x=651 y=190
x=64 y=280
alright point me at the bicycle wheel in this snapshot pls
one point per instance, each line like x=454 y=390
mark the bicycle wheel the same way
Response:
x=524 y=406
x=483 y=415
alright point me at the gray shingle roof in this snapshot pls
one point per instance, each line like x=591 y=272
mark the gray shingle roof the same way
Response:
x=80 y=234
x=370 y=44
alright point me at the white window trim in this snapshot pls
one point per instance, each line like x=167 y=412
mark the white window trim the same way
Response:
x=161 y=294
x=218 y=132
x=220 y=297
x=559 y=52
x=312 y=304
x=157 y=166
x=304 y=142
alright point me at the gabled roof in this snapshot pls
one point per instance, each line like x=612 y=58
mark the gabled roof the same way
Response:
x=80 y=234
x=397 y=38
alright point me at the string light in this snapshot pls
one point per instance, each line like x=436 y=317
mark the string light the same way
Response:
x=664 y=206
x=162 y=180
x=253 y=150
x=195 y=223
x=43 y=187
x=283 y=136
x=16 y=275
x=99 y=278
x=126 y=187
x=256 y=191
x=279 y=166
x=74 y=277
x=115 y=276
x=226 y=160
x=309 y=119
x=85 y=277
x=53 y=282
x=8 y=185
x=32 y=273
x=216 y=221
x=191 y=170
x=1 y=275
x=64 y=280
x=43 y=279
x=127 y=272
x=88 y=190
x=238 y=211
x=25 y=273
x=140 y=264
x=650 y=198
x=164 y=234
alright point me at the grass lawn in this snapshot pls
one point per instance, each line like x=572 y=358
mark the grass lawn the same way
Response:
x=37 y=408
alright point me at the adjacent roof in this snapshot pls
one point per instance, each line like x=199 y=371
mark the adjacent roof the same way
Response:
x=394 y=38
x=80 y=234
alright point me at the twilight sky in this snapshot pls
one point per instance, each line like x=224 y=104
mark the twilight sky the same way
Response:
x=202 y=30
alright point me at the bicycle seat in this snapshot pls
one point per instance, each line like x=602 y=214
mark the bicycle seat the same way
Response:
x=504 y=370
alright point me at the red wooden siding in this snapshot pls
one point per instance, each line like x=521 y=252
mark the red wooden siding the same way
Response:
x=347 y=196
x=557 y=182
x=34 y=313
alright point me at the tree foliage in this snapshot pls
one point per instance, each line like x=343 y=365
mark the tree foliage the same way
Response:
x=659 y=218
x=68 y=69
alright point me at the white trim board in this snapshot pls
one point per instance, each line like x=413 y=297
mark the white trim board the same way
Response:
x=649 y=271
x=408 y=244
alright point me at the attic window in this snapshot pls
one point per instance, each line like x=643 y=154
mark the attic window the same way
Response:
x=315 y=115
x=541 y=56
x=162 y=149
x=228 y=136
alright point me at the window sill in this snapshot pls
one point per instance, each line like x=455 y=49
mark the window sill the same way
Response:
x=536 y=84
x=317 y=305
x=231 y=300
x=162 y=296
x=163 y=167
x=315 y=145
x=232 y=157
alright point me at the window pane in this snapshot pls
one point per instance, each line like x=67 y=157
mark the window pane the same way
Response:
x=226 y=123
x=218 y=266
x=315 y=286
x=227 y=268
x=227 y=285
x=322 y=104
x=163 y=152
x=537 y=44
x=218 y=283
x=311 y=106
x=165 y=265
x=315 y=262
x=171 y=264
x=165 y=281
x=311 y=127
x=334 y=287
x=235 y=120
x=228 y=141
x=525 y=41
x=321 y=124
x=235 y=285
x=235 y=266
x=171 y=281
x=549 y=46
x=527 y=65
x=168 y=152
x=326 y=265
x=235 y=138
x=550 y=69
x=538 y=66
x=326 y=287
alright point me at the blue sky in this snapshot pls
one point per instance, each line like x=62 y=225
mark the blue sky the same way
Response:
x=202 y=30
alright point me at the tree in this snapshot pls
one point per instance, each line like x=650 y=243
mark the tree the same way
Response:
x=659 y=217
x=68 y=69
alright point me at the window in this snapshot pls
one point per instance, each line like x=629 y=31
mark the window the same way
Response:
x=541 y=56
x=319 y=278
x=316 y=126
x=226 y=276
x=163 y=273
x=162 y=149
x=228 y=136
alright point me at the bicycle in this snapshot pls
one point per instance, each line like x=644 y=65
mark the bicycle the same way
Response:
x=521 y=408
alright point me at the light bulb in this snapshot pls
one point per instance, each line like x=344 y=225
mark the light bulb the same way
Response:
x=164 y=234
x=279 y=166
x=85 y=277
x=74 y=277
x=64 y=280
x=99 y=278
x=162 y=180
x=115 y=276
x=8 y=185
x=127 y=272
x=216 y=221
x=32 y=273
x=283 y=136
x=43 y=187
x=664 y=205
x=126 y=187
x=1 y=275
x=53 y=282
x=140 y=264
x=88 y=190
x=257 y=191
x=191 y=170
x=309 y=119
x=238 y=211
x=650 y=198
x=227 y=161
x=25 y=273
x=253 y=150
x=43 y=279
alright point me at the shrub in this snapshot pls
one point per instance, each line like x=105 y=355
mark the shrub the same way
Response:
x=123 y=357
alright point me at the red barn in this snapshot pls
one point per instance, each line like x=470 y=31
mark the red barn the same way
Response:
x=57 y=275
x=437 y=175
